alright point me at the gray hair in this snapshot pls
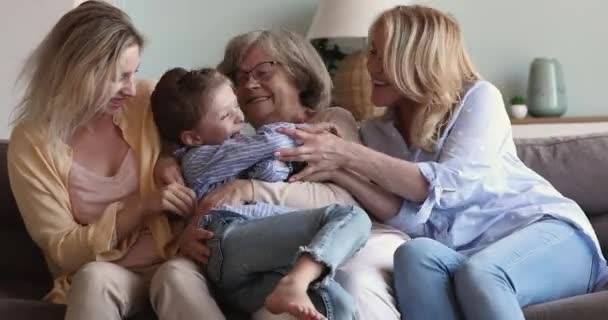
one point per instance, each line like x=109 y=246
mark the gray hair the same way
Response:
x=294 y=53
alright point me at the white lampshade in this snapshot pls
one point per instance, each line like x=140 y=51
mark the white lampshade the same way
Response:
x=347 y=18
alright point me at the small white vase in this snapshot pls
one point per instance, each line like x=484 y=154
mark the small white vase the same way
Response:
x=518 y=111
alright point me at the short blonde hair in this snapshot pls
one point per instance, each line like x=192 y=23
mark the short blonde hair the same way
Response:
x=425 y=58
x=294 y=53
x=68 y=76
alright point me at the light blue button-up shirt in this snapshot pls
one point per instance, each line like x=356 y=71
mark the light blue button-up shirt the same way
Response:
x=480 y=191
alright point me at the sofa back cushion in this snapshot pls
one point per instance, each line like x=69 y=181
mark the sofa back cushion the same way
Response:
x=577 y=166
x=20 y=258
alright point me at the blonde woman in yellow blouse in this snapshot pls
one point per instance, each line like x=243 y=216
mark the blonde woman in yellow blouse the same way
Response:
x=80 y=161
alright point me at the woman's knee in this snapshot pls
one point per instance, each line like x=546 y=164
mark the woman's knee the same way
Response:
x=414 y=251
x=179 y=290
x=178 y=271
x=95 y=275
x=104 y=289
x=478 y=274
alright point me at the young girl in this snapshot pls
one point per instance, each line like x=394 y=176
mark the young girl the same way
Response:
x=255 y=244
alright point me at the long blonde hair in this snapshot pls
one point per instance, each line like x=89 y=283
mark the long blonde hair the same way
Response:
x=67 y=79
x=426 y=60
x=296 y=55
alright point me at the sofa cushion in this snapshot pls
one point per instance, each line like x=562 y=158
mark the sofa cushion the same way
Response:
x=600 y=225
x=576 y=165
x=23 y=289
x=31 y=309
x=592 y=306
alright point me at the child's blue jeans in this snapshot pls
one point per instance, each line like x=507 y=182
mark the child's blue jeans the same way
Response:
x=249 y=257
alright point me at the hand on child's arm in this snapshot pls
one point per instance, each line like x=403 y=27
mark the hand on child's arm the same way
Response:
x=173 y=198
x=233 y=193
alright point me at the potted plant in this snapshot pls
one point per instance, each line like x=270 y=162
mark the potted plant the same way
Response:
x=518 y=108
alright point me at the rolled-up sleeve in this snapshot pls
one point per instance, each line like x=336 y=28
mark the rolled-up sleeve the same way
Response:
x=473 y=146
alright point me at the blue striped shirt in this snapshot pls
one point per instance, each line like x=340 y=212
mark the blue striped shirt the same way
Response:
x=206 y=167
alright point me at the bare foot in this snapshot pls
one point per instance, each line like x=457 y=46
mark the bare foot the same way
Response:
x=305 y=313
x=289 y=296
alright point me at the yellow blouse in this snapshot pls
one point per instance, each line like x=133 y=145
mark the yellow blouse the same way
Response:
x=39 y=181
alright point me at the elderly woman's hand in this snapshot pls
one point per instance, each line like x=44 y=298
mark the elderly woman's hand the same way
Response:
x=233 y=193
x=167 y=171
x=321 y=150
x=192 y=242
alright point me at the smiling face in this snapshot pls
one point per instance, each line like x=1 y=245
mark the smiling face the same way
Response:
x=265 y=91
x=123 y=86
x=221 y=120
x=384 y=93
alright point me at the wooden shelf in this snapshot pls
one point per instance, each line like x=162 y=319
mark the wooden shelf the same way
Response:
x=530 y=120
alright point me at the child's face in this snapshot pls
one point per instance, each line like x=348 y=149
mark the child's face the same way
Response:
x=222 y=120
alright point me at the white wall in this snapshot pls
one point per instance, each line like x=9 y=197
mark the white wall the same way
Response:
x=504 y=36
x=193 y=33
x=23 y=24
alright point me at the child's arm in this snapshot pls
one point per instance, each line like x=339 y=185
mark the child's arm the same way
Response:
x=271 y=170
x=206 y=166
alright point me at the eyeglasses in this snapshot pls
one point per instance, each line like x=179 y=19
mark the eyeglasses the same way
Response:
x=261 y=72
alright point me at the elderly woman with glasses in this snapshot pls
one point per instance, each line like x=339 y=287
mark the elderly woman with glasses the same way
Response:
x=279 y=77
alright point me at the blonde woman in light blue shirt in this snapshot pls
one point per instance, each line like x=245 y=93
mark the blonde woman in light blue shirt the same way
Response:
x=490 y=233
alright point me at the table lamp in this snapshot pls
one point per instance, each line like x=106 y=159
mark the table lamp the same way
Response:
x=350 y=19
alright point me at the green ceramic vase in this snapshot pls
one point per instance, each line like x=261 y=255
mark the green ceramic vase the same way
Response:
x=546 y=89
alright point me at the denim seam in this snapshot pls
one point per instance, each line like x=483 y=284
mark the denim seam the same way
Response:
x=545 y=245
x=327 y=302
x=593 y=273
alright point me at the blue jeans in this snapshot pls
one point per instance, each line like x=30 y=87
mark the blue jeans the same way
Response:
x=544 y=261
x=249 y=257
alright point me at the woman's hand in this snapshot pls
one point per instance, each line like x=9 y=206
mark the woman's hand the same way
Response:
x=322 y=151
x=192 y=242
x=175 y=198
x=322 y=127
x=167 y=171
x=233 y=193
